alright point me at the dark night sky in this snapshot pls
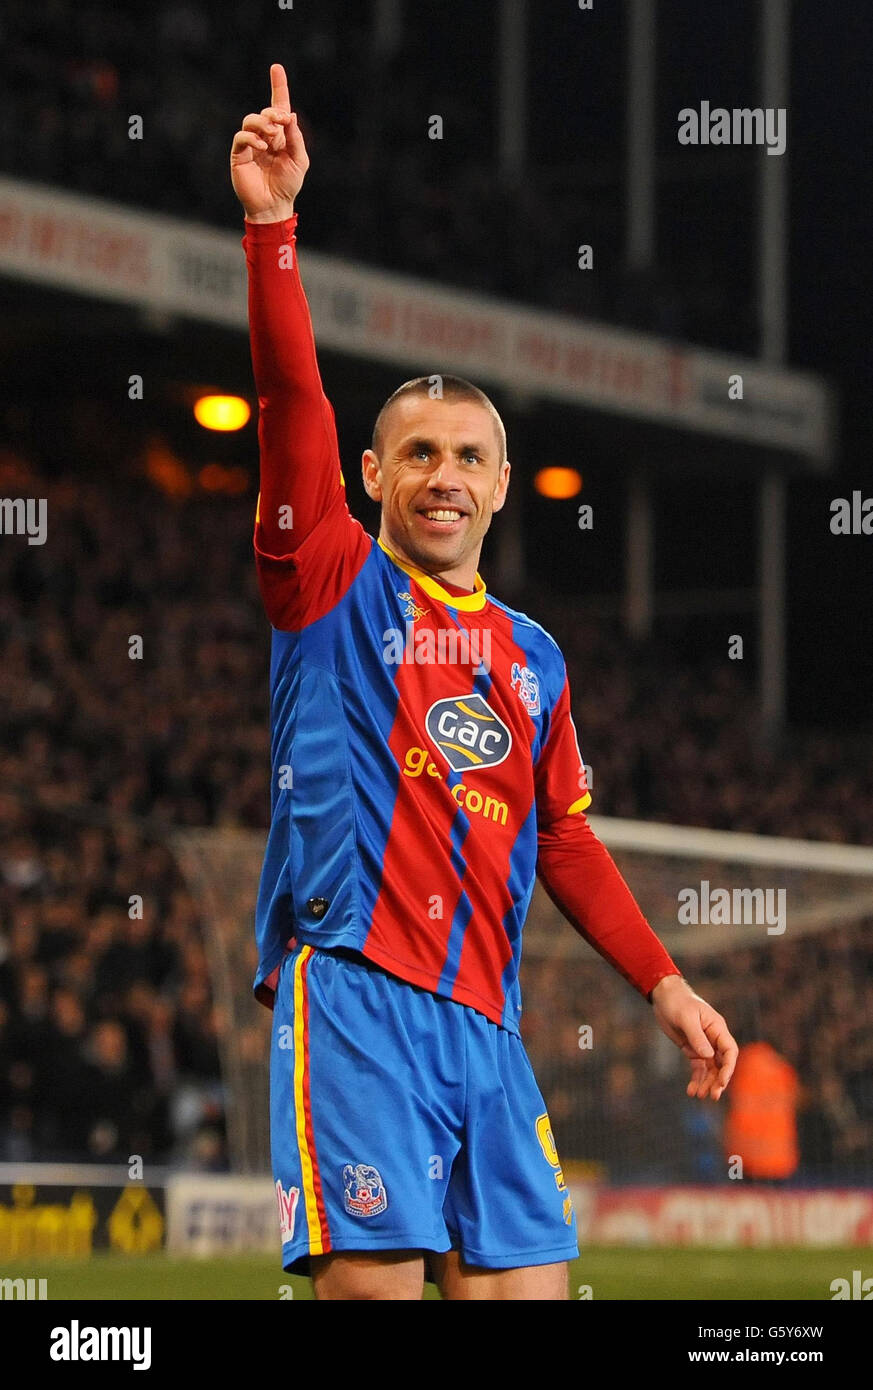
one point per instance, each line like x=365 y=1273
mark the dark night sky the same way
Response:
x=707 y=227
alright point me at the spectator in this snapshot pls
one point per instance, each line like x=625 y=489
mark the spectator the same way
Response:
x=761 y=1128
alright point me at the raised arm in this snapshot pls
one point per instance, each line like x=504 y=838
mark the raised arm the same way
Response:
x=300 y=480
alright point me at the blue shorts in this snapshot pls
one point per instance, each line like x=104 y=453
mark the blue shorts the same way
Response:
x=405 y=1121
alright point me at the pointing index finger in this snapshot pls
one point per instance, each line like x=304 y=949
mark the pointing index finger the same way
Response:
x=280 y=95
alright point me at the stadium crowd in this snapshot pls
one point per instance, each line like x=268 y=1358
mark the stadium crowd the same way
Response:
x=72 y=72
x=109 y=1036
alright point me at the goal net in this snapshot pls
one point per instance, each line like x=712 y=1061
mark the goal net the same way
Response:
x=777 y=934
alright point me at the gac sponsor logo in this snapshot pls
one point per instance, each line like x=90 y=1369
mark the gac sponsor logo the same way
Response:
x=468 y=732
x=417 y=762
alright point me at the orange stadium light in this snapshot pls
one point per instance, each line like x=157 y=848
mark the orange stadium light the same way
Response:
x=222 y=412
x=558 y=482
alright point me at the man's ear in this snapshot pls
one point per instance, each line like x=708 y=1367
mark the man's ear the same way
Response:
x=502 y=486
x=371 y=472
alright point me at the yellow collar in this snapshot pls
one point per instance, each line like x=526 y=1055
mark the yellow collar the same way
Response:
x=467 y=603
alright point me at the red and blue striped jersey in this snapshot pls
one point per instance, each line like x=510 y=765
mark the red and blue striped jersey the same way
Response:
x=425 y=762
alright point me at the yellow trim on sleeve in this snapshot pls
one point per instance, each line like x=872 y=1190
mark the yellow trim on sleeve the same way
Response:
x=581 y=805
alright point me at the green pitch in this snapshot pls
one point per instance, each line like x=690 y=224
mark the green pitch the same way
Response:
x=613 y=1274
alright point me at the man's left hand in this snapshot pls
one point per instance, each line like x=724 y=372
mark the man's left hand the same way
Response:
x=701 y=1033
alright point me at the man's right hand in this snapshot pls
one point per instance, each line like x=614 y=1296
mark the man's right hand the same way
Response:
x=268 y=159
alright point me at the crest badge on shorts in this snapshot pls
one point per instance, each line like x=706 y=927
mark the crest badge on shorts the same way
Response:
x=364 y=1191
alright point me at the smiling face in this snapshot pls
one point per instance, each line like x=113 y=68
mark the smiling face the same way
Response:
x=439 y=476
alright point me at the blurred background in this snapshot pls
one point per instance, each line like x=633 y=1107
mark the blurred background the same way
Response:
x=134 y=786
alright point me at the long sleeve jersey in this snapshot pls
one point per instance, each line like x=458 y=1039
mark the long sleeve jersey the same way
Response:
x=425 y=762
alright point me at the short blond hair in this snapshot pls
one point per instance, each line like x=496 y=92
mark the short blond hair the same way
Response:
x=454 y=388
